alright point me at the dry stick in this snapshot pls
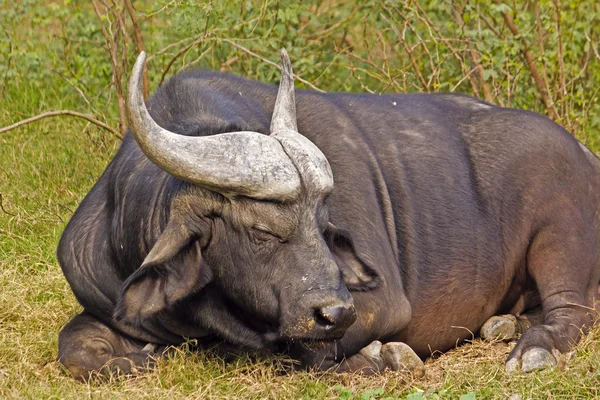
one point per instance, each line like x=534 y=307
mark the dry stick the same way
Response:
x=139 y=42
x=374 y=67
x=409 y=52
x=435 y=67
x=592 y=46
x=117 y=69
x=78 y=91
x=62 y=112
x=540 y=39
x=152 y=13
x=3 y=209
x=561 y=63
x=588 y=56
x=248 y=51
x=9 y=62
x=209 y=48
x=539 y=81
x=485 y=87
x=423 y=44
x=164 y=49
x=178 y=54
x=321 y=35
x=454 y=52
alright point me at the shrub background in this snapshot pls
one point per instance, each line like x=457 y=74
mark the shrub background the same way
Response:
x=541 y=55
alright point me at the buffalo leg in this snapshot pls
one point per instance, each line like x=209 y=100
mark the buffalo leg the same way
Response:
x=87 y=346
x=377 y=357
x=509 y=326
x=562 y=260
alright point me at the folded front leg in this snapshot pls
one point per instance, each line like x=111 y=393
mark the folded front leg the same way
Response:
x=377 y=357
x=87 y=346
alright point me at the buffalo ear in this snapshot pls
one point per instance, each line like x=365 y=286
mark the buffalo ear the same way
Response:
x=171 y=271
x=357 y=275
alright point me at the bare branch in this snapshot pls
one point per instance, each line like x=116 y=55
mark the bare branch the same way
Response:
x=139 y=43
x=166 y=48
x=161 y=9
x=485 y=87
x=592 y=46
x=539 y=81
x=9 y=62
x=3 y=209
x=62 y=112
x=179 y=54
x=409 y=52
x=559 y=55
x=77 y=89
x=111 y=43
x=253 y=54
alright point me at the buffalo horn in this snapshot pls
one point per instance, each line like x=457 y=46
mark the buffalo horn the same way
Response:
x=236 y=163
x=310 y=161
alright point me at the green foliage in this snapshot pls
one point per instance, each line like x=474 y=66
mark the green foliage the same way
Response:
x=337 y=45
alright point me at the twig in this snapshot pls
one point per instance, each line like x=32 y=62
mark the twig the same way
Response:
x=139 y=42
x=539 y=81
x=485 y=87
x=9 y=62
x=177 y=55
x=111 y=42
x=408 y=51
x=540 y=39
x=62 y=112
x=592 y=46
x=77 y=89
x=164 y=49
x=209 y=48
x=561 y=63
x=248 y=51
x=3 y=209
x=152 y=13
x=463 y=79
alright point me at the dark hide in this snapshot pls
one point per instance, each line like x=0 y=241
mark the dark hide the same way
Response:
x=445 y=211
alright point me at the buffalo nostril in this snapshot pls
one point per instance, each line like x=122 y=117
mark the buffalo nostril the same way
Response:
x=339 y=316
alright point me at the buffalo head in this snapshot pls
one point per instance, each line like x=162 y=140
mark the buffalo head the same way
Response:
x=251 y=219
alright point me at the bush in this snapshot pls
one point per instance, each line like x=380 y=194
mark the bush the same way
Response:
x=540 y=55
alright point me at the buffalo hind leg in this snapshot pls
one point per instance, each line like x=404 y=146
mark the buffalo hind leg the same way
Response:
x=562 y=260
x=87 y=346
x=377 y=357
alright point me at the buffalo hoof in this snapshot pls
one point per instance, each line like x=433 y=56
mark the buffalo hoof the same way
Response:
x=376 y=358
x=398 y=356
x=533 y=359
x=500 y=327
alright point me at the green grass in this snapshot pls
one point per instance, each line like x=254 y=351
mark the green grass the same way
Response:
x=45 y=170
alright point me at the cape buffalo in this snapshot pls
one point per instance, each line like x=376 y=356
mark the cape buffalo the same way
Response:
x=408 y=220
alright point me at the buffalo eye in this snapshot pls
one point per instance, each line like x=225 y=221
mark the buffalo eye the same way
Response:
x=263 y=235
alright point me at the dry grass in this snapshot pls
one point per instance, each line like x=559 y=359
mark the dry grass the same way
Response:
x=46 y=169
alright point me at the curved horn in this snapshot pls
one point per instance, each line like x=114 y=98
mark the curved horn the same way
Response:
x=284 y=113
x=310 y=161
x=236 y=163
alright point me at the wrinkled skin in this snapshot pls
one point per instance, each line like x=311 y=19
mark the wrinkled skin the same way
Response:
x=446 y=211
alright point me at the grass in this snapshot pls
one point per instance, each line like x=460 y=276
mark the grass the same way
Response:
x=45 y=170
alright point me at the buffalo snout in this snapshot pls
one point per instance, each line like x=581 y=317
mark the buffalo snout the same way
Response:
x=319 y=315
x=335 y=318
